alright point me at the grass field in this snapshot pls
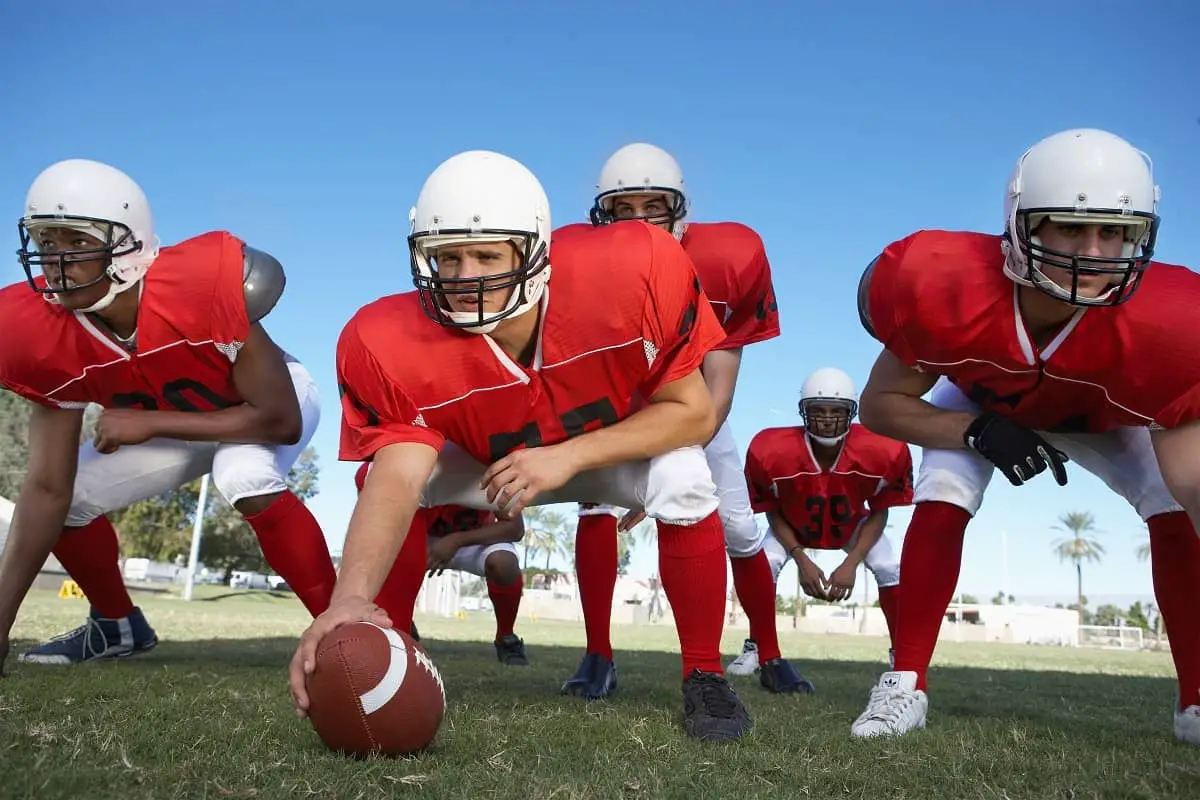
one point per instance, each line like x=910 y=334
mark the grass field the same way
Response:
x=207 y=714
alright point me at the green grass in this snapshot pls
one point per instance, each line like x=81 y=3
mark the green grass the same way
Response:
x=207 y=714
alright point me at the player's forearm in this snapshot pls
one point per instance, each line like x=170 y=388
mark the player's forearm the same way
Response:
x=911 y=419
x=35 y=528
x=720 y=371
x=868 y=537
x=783 y=532
x=240 y=424
x=656 y=429
x=377 y=531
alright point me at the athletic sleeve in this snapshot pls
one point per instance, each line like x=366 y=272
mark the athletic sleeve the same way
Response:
x=883 y=306
x=755 y=316
x=228 y=319
x=678 y=325
x=898 y=487
x=376 y=412
x=758 y=482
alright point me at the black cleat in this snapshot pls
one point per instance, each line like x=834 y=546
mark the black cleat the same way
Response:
x=595 y=679
x=779 y=676
x=712 y=711
x=510 y=649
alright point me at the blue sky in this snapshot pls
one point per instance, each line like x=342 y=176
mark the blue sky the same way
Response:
x=831 y=128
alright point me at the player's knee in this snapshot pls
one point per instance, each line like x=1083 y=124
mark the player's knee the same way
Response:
x=502 y=568
x=947 y=486
x=742 y=538
x=249 y=506
x=680 y=488
x=82 y=513
x=886 y=575
x=240 y=483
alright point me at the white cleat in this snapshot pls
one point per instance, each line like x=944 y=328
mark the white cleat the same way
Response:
x=747 y=662
x=1187 y=725
x=895 y=707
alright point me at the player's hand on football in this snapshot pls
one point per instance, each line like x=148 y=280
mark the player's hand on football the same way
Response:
x=441 y=551
x=841 y=582
x=630 y=520
x=812 y=578
x=515 y=480
x=344 y=611
x=120 y=426
x=1015 y=450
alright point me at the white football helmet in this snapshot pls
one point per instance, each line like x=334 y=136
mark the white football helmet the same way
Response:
x=100 y=201
x=480 y=196
x=1082 y=176
x=828 y=386
x=641 y=169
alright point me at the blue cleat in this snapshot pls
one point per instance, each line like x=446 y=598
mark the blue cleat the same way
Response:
x=595 y=679
x=98 y=638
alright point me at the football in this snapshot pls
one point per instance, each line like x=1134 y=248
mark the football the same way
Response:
x=374 y=690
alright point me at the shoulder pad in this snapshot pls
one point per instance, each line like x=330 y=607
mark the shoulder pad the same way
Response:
x=864 y=298
x=263 y=281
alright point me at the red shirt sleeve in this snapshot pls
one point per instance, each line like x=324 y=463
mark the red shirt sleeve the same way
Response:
x=881 y=302
x=228 y=317
x=27 y=393
x=756 y=317
x=1184 y=409
x=677 y=319
x=376 y=412
x=899 y=489
x=758 y=482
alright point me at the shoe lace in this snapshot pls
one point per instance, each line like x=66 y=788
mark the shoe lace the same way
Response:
x=90 y=630
x=716 y=696
x=887 y=704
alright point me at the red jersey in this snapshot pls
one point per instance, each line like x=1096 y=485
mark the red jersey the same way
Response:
x=736 y=277
x=192 y=321
x=940 y=302
x=871 y=473
x=622 y=315
x=438 y=520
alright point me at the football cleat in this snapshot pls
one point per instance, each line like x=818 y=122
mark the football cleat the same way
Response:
x=747 y=662
x=779 y=676
x=1187 y=725
x=894 y=708
x=712 y=711
x=510 y=650
x=97 y=638
x=595 y=679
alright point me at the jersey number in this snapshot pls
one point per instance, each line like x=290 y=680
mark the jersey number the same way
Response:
x=838 y=508
x=176 y=393
x=574 y=423
x=465 y=520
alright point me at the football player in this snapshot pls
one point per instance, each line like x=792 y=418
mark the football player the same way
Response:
x=534 y=376
x=1059 y=338
x=828 y=485
x=644 y=182
x=466 y=540
x=170 y=342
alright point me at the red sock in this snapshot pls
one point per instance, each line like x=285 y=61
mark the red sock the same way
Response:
x=929 y=561
x=691 y=562
x=888 y=600
x=292 y=543
x=398 y=596
x=506 y=601
x=90 y=554
x=755 y=587
x=596 y=572
x=1175 y=565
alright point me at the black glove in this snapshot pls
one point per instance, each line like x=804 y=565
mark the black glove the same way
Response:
x=1016 y=451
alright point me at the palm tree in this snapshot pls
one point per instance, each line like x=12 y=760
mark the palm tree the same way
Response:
x=1078 y=546
x=1143 y=550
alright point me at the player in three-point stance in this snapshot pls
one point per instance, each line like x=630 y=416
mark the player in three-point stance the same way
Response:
x=523 y=394
x=170 y=342
x=644 y=182
x=1060 y=338
x=828 y=485
x=465 y=540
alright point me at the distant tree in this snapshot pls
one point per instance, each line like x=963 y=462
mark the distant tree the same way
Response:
x=1078 y=546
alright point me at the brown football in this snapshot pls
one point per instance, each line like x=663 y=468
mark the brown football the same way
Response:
x=374 y=691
